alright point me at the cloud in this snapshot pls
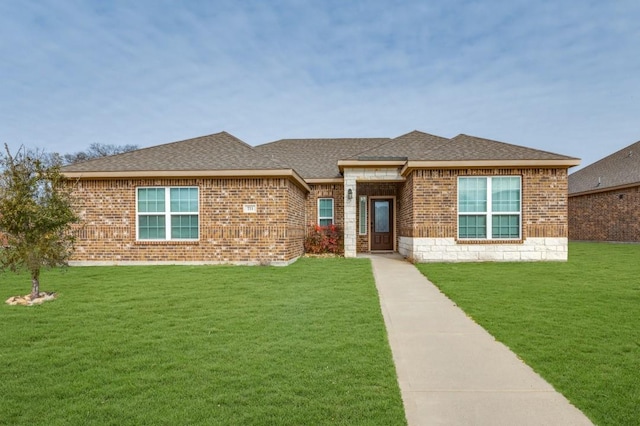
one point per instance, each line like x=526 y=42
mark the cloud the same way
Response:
x=558 y=76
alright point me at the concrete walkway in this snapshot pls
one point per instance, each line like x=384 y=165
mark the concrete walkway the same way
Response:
x=450 y=370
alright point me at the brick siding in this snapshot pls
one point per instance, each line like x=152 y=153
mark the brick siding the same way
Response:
x=429 y=202
x=274 y=234
x=606 y=216
x=333 y=190
x=426 y=206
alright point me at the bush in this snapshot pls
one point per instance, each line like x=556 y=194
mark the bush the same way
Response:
x=324 y=239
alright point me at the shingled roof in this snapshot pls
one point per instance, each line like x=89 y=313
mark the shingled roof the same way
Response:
x=317 y=158
x=223 y=154
x=220 y=151
x=622 y=168
x=420 y=146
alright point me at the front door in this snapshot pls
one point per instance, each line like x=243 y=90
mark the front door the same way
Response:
x=382 y=224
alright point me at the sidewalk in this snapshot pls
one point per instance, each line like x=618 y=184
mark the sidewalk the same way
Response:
x=450 y=370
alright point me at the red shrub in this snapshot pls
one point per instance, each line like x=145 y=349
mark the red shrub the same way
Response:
x=324 y=239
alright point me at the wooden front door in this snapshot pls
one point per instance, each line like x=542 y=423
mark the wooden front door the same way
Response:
x=382 y=224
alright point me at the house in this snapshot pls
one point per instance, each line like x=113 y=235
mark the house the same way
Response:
x=604 y=198
x=215 y=199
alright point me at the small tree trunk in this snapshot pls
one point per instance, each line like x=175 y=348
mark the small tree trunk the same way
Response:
x=35 y=287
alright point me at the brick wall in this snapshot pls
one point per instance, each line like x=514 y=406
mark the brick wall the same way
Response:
x=606 y=216
x=273 y=234
x=324 y=190
x=405 y=207
x=295 y=221
x=430 y=202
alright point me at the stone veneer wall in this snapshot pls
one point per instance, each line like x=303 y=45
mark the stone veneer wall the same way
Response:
x=428 y=220
x=274 y=234
x=352 y=177
x=606 y=216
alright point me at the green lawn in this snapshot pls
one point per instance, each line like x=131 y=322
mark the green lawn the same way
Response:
x=575 y=323
x=171 y=345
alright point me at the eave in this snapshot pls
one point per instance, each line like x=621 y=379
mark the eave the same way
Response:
x=606 y=189
x=248 y=173
x=457 y=164
x=324 y=180
x=369 y=163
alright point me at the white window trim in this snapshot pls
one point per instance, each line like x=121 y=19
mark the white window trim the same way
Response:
x=167 y=214
x=489 y=213
x=363 y=216
x=333 y=211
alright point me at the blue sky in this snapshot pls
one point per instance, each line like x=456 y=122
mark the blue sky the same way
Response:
x=562 y=76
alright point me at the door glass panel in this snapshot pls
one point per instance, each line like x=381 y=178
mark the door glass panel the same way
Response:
x=382 y=216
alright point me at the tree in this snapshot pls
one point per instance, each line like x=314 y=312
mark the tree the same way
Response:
x=35 y=214
x=97 y=150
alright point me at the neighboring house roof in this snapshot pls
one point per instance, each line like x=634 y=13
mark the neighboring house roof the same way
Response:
x=620 y=169
x=317 y=158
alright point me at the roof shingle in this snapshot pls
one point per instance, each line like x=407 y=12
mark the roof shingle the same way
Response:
x=618 y=169
x=220 y=151
x=310 y=158
x=419 y=146
x=317 y=158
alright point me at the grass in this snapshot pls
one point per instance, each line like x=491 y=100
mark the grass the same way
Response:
x=576 y=323
x=304 y=344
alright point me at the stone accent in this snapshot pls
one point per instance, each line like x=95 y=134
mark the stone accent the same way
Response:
x=272 y=235
x=351 y=177
x=350 y=219
x=428 y=217
x=606 y=216
x=374 y=174
x=448 y=250
x=26 y=300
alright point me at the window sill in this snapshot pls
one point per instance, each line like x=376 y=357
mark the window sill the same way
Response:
x=518 y=241
x=167 y=243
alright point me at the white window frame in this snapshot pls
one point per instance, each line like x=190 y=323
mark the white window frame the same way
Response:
x=362 y=216
x=167 y=214
x=333 y=211
x=489 y=213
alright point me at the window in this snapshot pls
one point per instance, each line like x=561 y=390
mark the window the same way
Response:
x=362 y=217
x=172 y=208
x=489 y=208
x=325 y=211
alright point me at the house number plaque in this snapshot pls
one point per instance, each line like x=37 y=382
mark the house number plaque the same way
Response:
x=250 y=208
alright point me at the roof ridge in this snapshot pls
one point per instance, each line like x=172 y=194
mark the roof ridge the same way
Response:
x=220 y=150
x=603 y=159
x=359 y=154
x=144 y=148
x=320 y=139
x=511 y=145
x=618 y=168
x=392 y=140
x=252 y=148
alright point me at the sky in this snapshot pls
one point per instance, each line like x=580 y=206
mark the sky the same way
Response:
x=560 y=76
